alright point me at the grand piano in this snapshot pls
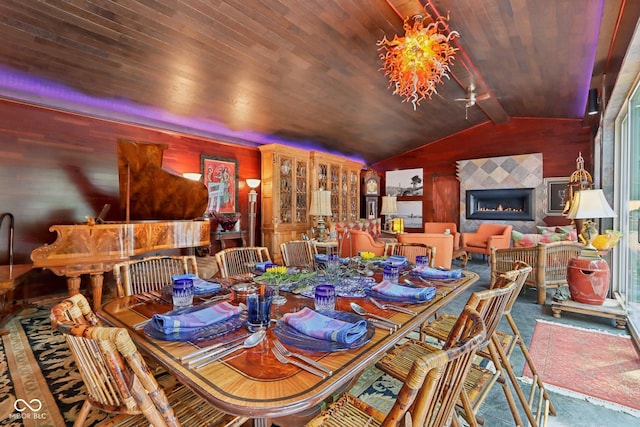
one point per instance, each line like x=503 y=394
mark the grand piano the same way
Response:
x=161 y=211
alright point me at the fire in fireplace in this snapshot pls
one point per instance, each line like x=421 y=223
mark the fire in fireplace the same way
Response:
x=515 y=204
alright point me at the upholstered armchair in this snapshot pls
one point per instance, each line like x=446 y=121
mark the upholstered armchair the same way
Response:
x=442 y=227
x=363 y=241
x=442 y=242
x=487 y=236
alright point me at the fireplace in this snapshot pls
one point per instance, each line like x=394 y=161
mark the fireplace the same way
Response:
x=515 y=204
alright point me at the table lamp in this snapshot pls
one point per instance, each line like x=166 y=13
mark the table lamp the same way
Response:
x=389 y=208
x=253 y=198
x=586 y=206
x=320 y=207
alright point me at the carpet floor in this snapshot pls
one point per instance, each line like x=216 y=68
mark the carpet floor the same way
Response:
x=39 y=382
x=589 y=362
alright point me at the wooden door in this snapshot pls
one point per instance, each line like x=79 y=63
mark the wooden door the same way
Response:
x=446 y=199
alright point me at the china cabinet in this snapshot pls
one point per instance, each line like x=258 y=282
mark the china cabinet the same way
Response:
x=289 y=175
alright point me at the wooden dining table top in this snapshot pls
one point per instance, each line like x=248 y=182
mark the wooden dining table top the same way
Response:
x=253 y=382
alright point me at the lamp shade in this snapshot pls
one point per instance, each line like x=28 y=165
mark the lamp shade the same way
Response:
x=320 y=203
x=587 y=204
x=389 y=205
x=253 y=183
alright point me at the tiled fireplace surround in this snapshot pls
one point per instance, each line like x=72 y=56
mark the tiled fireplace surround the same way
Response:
x=522 y=171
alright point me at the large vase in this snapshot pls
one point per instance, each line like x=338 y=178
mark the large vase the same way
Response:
x=588 y=280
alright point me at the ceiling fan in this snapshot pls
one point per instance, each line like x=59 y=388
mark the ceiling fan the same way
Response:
x=471 y=98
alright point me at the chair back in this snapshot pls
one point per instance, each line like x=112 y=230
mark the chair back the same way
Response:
x=151 y=273
x=363 y=241
x=116 y=376
x=411 y=251
x=298 y=253
x=434 y=383
x=240 y=262
x=521 y=271
x=491 y=304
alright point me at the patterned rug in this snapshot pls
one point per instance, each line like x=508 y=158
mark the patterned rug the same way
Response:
x=598 y=365
x=39 y=382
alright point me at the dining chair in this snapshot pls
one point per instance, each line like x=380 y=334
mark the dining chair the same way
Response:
x=148 y=274
x=241 y=261
x=411 y=250
x=118 y=380
x=429 y=392
x=490 y=303
x=298 y=253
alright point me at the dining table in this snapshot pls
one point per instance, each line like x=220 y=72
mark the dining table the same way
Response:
x=252 y=382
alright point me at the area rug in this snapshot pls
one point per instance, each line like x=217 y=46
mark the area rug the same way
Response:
x=601 y=366
x=39 y=383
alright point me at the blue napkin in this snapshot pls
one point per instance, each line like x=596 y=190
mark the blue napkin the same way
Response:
x=194 y=320
x=437 y=274
x=200 y=286
x=415 y=294
x=319 y=326
x=320 y=257
x=396 y=260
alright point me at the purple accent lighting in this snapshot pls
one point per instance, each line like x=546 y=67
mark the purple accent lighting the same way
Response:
x=43 y=92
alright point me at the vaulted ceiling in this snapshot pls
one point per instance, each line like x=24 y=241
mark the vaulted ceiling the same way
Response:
x=307 y=72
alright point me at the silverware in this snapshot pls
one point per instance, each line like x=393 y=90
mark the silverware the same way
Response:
x=307 y=368
x=386 y=306
x=252 y=341
x=212 y=347
x=362 y=312
x=141 y=325
x=285 y=352
x=382 y=325
x=445 y=284
x=217 y=298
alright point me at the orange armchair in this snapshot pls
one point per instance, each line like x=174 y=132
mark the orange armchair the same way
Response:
x=363 y=241
x=442 y=242
x=486 y=237
x=441 y=227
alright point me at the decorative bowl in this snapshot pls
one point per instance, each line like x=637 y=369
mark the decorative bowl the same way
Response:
x=227 y=220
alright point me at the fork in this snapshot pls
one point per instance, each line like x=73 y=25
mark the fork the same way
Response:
x=285 y=352
x=392 y=307
x=284 y=360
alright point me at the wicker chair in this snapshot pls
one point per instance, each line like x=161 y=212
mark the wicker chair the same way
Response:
x=240 y=262
x=298 y=253
x=118 y=380
x=429 y=392
x=548 y=260
x=151 y=273
x=490 y=304
x=503 y=344
x=411 y=251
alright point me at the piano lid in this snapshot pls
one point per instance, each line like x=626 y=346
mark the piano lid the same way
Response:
x=149 y=192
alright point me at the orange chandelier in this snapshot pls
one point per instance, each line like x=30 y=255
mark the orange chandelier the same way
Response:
x=416 y=62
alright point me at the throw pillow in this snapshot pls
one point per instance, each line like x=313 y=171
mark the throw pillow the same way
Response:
x=521 y=240
x=545 y=230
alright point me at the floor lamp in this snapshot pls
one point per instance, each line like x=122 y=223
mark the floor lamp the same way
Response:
x=253 y=198
x=320 y=207
x=389 y=208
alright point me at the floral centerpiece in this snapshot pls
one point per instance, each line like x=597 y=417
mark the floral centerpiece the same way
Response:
x=280 y=275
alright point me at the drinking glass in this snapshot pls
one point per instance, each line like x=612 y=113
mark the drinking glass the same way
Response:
x=390 y=274
x=422 y=261
x=182 y=291
x=325 y=297
x=259 y=309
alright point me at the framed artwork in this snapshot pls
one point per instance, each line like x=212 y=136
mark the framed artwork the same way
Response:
x=405 y=182
x=221 y=179
x=411 y=212
x=556 y=195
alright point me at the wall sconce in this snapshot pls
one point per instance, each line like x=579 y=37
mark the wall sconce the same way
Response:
x=253 y=198
x=192 y=175
x=592 y=102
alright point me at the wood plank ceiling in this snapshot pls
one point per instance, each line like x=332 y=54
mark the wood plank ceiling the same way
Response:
x=306 y=72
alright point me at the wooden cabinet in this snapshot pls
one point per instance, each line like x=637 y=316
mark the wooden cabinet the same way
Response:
x=289 y=175
x=342 y=177
x=284 y=196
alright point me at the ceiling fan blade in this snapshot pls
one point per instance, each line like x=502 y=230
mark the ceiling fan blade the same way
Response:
x=462 y=99
x=483 y=97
